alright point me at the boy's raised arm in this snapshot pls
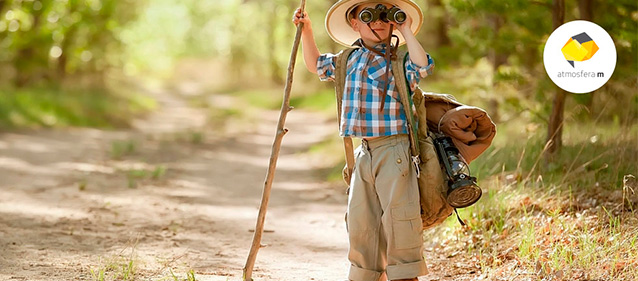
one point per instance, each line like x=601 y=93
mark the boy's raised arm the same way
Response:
x=310 y=51
x=417 y=54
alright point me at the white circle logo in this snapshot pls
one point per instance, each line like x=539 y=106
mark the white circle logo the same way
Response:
x=579 y=57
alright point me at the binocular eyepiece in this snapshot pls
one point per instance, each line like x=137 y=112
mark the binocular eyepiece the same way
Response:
x=380 y=12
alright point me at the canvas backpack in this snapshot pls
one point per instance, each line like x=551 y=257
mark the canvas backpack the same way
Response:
x=432 y=184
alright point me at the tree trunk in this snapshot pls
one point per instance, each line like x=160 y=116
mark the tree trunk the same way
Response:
x=66 y=45
x=586 y=11
x=29 y=58
x=555 y=126
x=63 y=60
x=440 y=23
x=585 y=8
x=497 y=58
x=555 y=129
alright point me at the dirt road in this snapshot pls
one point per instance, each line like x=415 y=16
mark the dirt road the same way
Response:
x=166 y=198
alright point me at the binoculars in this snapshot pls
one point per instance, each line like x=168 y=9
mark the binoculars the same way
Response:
x=380 y=12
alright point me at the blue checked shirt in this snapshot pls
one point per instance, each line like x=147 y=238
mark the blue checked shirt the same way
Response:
x=361 y=115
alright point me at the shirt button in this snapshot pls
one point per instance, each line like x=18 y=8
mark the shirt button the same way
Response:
x=399 y=160
x=363 y=110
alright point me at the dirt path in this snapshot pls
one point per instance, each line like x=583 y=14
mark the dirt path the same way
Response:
x=81 y=199
x=166 y=198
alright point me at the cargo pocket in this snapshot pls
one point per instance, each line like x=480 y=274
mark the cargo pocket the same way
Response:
x=407 y=226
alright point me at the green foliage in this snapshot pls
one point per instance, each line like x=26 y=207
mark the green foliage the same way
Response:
x=46 y=40
x=260 y=98
x=157 y=37
x=56 y=107
x=594 y=154
x=501 y=43
x=321 y=101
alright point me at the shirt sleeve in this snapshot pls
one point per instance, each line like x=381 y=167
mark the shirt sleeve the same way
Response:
x=326 y=64
x=414 y=73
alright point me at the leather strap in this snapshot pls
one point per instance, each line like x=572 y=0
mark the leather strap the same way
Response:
x=388 y=58
x=401 y=84
x=340 y=82
x=390 y=54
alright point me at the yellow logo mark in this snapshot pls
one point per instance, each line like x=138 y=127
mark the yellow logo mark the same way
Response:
x=579 y=48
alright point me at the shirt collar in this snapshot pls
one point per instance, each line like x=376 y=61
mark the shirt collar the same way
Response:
x=378 y=47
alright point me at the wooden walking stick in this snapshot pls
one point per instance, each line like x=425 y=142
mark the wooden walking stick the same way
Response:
x=274 y=155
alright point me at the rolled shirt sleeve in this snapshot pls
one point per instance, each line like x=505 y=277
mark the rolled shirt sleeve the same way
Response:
x=326 y=64
x=414 y=73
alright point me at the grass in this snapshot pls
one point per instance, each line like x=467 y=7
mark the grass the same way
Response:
x=561 y=220
x=261 y=98
x=190 y=276
x=134 y=176
x=57 y=107
x=193 y=136
x=116 y=268
x=590 y=242
x=321 y=101
x=122 y=148
x=593 y=155
x=244 y=113
x=127 y=268
x=566 y=220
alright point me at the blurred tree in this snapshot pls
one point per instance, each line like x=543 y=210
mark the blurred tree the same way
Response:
x=495 y=46
x=439 y=18
x=585 y=11
x=32 y=47
x=585 y=8
x=66 y=36
x=269 y=9
x=555 y=126
x=499 y=33
x=44 y=41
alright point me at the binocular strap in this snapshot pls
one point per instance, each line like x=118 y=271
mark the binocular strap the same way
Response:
x=390 y=54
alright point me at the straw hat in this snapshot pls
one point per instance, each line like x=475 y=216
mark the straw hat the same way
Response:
x=338 y=24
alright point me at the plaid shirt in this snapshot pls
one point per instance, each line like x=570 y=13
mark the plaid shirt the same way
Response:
x=361 y=115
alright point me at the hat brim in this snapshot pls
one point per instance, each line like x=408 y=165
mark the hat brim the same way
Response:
x=338 y=25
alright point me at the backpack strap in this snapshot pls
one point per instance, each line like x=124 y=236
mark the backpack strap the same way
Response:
x=399 y=75
x=400 y=81
x=341 y=68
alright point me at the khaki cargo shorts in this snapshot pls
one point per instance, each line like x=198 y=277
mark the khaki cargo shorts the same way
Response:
x=384 y=215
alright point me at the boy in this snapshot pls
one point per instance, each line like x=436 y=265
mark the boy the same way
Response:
x=384 y=224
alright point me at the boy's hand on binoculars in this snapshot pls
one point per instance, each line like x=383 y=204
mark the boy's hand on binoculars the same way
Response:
x=299 y=17
x=404 y=28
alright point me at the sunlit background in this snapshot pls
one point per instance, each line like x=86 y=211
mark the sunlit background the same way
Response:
x=99 y=63
x=486 y=52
